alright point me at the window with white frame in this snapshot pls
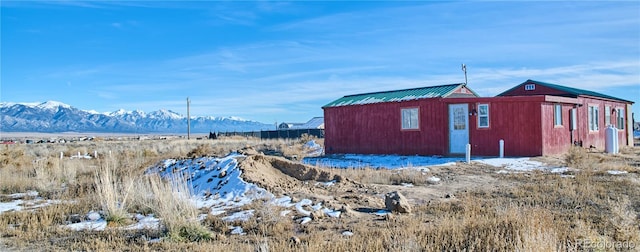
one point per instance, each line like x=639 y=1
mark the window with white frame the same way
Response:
x=593 y=118
x=620 y=118
x=557 y=115
x=607 y=116
x=528 y=87
x=483 y=115
x=410 y=118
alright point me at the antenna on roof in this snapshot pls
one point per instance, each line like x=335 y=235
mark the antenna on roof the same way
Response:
x=464 y=69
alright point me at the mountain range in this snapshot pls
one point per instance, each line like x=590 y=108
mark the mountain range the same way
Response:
x=52 y=116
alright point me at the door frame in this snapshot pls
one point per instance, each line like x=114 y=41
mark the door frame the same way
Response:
x=450 y=126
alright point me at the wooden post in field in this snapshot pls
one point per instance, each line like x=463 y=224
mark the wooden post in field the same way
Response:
x=188 y=120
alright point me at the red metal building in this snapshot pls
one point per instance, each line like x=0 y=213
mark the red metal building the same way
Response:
x=533 y=118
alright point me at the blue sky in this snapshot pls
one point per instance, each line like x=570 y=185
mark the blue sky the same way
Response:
x=282 y=61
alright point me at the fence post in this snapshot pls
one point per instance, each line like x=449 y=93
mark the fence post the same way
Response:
x=468 y=154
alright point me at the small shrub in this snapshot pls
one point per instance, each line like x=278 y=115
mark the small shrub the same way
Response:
x=576 y=157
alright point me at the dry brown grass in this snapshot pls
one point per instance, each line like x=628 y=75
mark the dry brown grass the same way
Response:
x=529 y=212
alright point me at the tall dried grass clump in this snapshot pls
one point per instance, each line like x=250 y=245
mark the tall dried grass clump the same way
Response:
x=576 y=157
x=171 y=201
x=113 y=189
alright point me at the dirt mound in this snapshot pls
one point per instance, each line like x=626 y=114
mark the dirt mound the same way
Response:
x=278 y=174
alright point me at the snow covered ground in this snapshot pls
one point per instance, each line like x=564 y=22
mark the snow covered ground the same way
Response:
x=510 y=165
x=424 y=162
x=379 y=161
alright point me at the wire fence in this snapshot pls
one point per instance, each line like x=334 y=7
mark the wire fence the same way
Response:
x=277 y=134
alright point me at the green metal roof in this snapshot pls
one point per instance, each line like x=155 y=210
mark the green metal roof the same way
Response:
x=574 y=92
x=396 y=95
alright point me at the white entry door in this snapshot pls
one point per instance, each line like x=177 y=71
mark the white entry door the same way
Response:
x=458 y=127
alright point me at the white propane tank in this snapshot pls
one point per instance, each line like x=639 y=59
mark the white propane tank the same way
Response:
x=611 y=140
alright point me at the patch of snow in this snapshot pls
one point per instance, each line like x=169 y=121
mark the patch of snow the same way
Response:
x=433 y=179
x=301 y=204
x=21 y=204
x=237 y=230
x=406 y=184
x=313 y=149
x=304 y=220
x=145 y=222
x=520 y=165
x=239 y=216
x=215 y=211
x=330 y=183
x=347 y=233
x=98 y=225
x=284 y=201
x=93 y=216
x=380 y=161
x=23 y=195
x=615 y=172
x=331 y=213
x=285 y=212
x=560 y=170
x=11 y=206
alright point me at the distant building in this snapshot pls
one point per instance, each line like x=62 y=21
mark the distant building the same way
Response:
x=314 y=123
x=286 y=125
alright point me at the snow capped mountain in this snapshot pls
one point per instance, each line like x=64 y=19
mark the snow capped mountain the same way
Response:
x=52 y=105
x=165 y=114
x=52 y=116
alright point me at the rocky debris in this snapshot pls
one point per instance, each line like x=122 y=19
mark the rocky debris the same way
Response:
x=75 y=218
x=222 y=174
x=449 y=196
x=294 y=240
x=396 y=202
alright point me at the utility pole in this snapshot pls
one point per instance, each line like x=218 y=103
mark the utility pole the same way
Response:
x=464 y=69
x=188 y=120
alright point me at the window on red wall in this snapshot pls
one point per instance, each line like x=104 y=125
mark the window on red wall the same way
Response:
x=483 y=116
x=607 y=116
x=557 y=115
x=593 y=118
x=410 y=118
x=620 y=118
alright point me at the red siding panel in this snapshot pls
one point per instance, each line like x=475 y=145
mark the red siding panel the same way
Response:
x=556 y=139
